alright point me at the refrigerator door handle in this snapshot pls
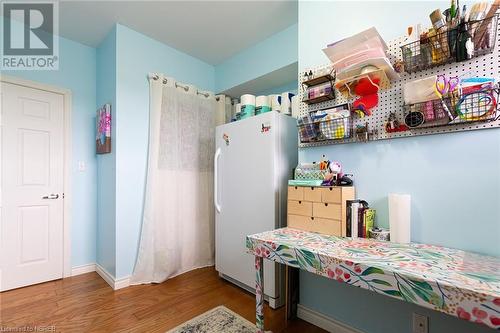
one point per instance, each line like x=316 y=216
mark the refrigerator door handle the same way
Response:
x=216 y=180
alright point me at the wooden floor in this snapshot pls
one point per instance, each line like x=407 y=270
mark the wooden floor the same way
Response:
x=86 y=303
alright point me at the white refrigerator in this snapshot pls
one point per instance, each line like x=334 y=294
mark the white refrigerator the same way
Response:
x=253 y=162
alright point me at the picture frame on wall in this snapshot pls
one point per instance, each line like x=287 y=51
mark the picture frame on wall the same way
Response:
x=103 y=129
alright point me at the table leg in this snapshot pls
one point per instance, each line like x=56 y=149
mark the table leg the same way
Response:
x=259 y=294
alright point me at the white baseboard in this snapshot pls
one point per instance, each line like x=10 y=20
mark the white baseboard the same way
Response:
x=122 y=283
x=110 y=279
x=324 y=322
x=82 y=269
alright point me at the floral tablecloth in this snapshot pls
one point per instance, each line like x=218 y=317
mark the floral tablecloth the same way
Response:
x=462 y=284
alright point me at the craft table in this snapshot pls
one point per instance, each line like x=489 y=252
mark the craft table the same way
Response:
x=462 y=284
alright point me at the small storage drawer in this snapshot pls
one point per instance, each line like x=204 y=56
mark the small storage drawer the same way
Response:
x=327 y=226
x=331 y=195
x=312 y=194
x=300 y=222
x=295 y=193
x=327 y=210
x=323 y=226
x=300 y=207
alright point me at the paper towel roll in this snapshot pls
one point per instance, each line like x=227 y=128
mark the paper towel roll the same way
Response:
x=275 y=102
x=399 y=217
x=229 y=109
x=262 y=101
x=295 y=106
x=286 y=100
x=247 y=99
x=262 y=105
x=237 y=111
x=234 y=101
x=247 y=106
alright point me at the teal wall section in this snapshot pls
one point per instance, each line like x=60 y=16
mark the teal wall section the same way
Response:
x=77 y=73
x=271 y=54
x=106 y=163
x=453 y=178
x=138 y=55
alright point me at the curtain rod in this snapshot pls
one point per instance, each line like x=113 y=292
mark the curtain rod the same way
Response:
x=185 y=87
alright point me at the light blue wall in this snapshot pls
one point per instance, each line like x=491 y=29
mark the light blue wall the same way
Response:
x=291 y=87
x=453 y=178
x=106 y=163
x=77 y=73
x=138 y=55
x=371 y=312
x=271 y=54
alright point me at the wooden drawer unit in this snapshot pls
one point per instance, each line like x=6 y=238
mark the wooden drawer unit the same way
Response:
x=327 y=210
x=319 y=209
x=295 y=193
x=312 y=194
x=323 y=226
x=303 y=208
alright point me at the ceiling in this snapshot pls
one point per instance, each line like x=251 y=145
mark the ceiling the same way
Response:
x=211 y=31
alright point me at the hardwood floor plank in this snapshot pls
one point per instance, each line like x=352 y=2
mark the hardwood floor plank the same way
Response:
x=86 y=303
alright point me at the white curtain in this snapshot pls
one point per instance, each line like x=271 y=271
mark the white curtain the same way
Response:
x=178 y=219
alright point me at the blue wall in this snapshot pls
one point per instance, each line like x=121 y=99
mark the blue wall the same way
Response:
x=138 y=55
x=291 y=87
x=106 y=163
x=80 y=79
x=273 y=53
x=124 y=59
x=453 y=178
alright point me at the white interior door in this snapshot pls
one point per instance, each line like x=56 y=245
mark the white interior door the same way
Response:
x=31 y=200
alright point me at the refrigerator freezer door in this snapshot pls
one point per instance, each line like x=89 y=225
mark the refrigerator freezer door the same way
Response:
x=247 y=195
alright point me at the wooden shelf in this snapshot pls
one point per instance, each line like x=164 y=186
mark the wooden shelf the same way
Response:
x=319 y=99
x=461 y=284
x=319 y=80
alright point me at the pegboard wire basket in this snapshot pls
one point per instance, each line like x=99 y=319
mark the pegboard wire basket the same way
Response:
x=324 y=130
x=378 y=78
x=441 y=48
x=454 y=109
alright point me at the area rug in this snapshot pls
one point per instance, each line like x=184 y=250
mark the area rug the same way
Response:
x=217 y=320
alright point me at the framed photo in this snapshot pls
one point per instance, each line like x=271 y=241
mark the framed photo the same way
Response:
x=103 y=131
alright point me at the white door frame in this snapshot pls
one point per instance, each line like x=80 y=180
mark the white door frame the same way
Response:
x=66 y=93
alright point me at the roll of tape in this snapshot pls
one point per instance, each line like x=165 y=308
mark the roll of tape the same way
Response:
x=379 y=234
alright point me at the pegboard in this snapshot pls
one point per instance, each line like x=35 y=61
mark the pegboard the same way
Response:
x=391 y=100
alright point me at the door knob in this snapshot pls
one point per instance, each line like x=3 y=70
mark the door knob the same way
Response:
x=51 y=196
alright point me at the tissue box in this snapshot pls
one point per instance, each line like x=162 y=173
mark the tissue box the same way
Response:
x=309 y=171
